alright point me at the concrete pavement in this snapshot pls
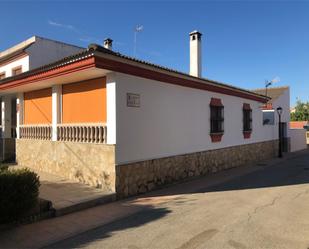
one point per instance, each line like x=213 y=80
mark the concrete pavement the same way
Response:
x=261 y=206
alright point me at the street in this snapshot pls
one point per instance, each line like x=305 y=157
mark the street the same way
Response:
x=262 y=206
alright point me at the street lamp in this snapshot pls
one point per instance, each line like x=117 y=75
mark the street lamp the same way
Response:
x=279 y=111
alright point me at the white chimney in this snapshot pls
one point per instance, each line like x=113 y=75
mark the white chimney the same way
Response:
x=108 y=43
x=195 y=54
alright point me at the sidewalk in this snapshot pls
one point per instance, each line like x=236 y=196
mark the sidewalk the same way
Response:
x=70 y=196
x=46 y=232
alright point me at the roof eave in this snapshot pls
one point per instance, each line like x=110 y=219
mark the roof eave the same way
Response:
x=110 y=60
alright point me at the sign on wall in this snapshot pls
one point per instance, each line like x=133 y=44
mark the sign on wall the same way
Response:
x=133 y=100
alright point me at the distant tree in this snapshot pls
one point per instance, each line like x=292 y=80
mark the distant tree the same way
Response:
x=301 y=111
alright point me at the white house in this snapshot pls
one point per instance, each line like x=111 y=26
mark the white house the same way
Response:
x=280 y=97
x=27 y=55
x=130 y=126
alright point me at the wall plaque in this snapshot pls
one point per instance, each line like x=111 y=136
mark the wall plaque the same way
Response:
x=133 y=100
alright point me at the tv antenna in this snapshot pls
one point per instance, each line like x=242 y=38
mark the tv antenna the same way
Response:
x=269 y=83
x=138 y=28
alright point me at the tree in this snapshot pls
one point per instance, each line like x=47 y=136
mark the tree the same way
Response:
x=301 y=111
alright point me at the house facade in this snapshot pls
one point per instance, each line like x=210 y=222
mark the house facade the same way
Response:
x=279 y=97
x=27 y=55
x=129 y=126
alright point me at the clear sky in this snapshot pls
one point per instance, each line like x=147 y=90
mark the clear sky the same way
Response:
x=244 y=43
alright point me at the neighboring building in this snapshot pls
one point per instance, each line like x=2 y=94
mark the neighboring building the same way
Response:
x=279 y=97
x=292 y=110
x=298 y=124
x=119 y=123
x=25 y=56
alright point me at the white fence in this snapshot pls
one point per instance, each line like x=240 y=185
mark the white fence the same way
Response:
x=42 y=132
x=298 y=139
x=87 y=133
x=84 y=133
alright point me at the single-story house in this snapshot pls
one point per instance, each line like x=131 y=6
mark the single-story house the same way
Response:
x=130 y=126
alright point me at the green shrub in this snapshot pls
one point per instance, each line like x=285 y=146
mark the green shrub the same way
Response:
x=3 y=167
x=19 y=190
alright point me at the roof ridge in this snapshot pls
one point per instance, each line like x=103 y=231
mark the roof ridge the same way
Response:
x=64 y=43
x=99 y=48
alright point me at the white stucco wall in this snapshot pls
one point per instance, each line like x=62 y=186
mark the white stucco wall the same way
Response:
x=284 y=102
x=41 y=52
x=175 y=120
x=7 y=68
x=45 y=51
x=298 y=139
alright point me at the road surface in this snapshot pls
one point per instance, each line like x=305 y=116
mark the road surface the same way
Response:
x=265 y=206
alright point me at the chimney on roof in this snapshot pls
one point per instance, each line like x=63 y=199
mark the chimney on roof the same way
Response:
x=196 y=53
x=108 y=43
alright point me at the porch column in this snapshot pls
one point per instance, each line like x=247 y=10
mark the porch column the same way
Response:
x=56 y=110
x=111 y=107
x=19 y=113
x=6 y=122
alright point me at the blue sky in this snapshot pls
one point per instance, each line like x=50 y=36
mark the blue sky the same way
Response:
x=244 y=43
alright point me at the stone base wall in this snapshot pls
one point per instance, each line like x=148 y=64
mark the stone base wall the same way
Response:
x=140 y=177
x=92 y=164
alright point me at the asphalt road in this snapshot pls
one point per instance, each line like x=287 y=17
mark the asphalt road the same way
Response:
x=264 y=207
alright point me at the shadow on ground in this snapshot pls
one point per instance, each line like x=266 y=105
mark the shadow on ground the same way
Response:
x=133 y=221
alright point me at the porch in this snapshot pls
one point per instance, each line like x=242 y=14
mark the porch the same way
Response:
x=62 y=130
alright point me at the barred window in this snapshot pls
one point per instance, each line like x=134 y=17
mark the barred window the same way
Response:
x=216 y=116
x=247 y=119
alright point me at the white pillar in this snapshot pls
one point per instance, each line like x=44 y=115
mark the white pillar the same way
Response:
x=19 y=113
x=56 y=110
x=111 y=108
x=6 y=108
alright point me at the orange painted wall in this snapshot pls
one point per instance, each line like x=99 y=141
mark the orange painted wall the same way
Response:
x=84 y=102
x=38 y=107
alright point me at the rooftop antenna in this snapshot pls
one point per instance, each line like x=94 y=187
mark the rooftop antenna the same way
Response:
x=269 y=83
x=137 y=29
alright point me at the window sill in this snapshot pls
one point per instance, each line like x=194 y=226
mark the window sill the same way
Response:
x=216 y=137
x=247 y=134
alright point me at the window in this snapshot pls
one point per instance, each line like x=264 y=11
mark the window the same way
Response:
x=16 y=70
x=247 y=120
x=268 y=117
x=216 y=116
x=2 y=75
x=216 y=119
